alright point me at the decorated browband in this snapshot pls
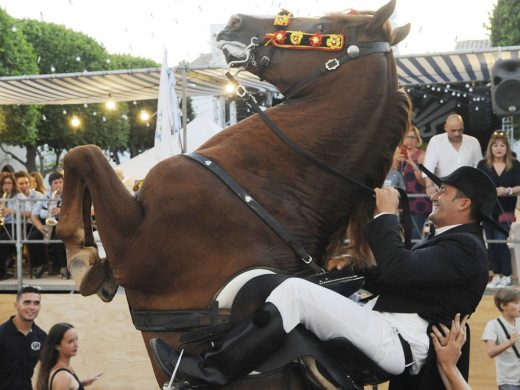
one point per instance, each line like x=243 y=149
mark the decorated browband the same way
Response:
x=301 y=40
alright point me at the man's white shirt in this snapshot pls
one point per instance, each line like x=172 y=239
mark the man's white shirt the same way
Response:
x=442 y=158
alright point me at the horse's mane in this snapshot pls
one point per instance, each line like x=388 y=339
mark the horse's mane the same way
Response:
x=351 y=16
x=357 y=18
x=398 y=114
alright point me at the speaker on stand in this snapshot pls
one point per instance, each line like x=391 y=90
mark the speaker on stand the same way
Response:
x=505 y=87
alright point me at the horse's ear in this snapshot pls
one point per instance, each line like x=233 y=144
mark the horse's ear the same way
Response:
x=400 y=33
x=381 y=16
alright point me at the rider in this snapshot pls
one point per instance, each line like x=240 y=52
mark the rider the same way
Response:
x=430 y=283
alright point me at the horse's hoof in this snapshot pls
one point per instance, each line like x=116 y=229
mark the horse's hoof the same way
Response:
x=87 y=271
x=108 y=289
x=93 y=279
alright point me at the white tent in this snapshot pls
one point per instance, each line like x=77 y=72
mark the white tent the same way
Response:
x=199 y=131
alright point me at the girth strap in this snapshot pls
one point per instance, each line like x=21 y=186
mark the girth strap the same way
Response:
x=259 y=210
x=176 y=320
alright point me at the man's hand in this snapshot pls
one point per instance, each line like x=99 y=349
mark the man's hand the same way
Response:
x=431 y=189
x=339 y=262
x=387 y=200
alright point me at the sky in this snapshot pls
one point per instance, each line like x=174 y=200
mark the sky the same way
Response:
x=182 y=27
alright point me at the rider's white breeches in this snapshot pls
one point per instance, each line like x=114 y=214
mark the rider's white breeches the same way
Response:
x=330 y=315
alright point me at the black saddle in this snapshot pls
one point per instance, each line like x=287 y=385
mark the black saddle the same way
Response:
x=337 y=360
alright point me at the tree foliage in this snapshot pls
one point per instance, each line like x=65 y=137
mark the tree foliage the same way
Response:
x=505 y=23
x=33 y=47
x=62 y=50
x=17 y=57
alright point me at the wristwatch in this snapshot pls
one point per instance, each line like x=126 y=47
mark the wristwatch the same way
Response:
x=509 y=191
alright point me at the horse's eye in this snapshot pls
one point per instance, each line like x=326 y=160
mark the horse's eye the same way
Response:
x=320 y=28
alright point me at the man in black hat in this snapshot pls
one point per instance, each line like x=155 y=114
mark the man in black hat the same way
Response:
x=430 y=283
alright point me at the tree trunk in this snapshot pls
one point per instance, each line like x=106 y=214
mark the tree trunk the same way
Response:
x=30 y=165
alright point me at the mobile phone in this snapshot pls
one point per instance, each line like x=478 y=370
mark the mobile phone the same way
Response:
x=404 y=151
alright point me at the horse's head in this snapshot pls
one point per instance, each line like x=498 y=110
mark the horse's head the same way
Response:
x=271 y=47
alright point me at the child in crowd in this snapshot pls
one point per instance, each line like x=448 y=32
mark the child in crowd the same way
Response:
x=502 y=335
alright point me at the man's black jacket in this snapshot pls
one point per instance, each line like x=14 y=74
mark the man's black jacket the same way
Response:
x=436 y=279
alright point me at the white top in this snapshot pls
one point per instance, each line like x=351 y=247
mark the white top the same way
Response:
x=442 y=158
x=507 y=364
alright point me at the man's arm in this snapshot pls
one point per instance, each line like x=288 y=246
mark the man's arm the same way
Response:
x=450 y=260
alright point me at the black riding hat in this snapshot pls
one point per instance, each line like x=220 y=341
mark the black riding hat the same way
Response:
x=476 y=185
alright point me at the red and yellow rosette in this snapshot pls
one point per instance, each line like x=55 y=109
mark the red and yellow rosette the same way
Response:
x=316 y=39
x=282 y=19
x=305 y=41
x=296 y=37
x=279 y=36
x=335 y=41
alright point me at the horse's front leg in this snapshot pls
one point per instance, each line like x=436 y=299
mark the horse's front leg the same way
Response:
x=81 y=258
x=75 y=229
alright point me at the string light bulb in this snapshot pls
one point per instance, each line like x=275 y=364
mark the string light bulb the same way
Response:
x=144 y=115
x=110 y=104
x=230 y=88
x=75 y=122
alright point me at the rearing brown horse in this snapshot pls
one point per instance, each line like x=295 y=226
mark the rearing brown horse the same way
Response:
x=184 y=235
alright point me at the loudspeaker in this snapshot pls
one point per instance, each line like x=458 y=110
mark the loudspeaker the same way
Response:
x=505 y=87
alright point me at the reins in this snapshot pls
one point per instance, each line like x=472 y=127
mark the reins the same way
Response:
x=354 y=50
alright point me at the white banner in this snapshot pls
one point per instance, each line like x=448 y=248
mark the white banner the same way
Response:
x=168 y=135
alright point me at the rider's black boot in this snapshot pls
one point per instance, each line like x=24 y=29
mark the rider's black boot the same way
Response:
x=244 y=347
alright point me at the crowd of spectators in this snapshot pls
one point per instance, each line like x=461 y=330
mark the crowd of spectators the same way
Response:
x=30 y=209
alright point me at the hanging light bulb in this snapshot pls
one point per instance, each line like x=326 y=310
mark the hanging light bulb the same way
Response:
x=110 y=104
x=230 y=88
x=144 y=115
x=75 y=122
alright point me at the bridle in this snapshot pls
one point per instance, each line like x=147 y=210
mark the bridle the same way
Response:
x=283 y=39
x=349 y=47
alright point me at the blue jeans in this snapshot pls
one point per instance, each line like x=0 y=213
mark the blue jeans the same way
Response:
x=499 y=255
x=509 y=387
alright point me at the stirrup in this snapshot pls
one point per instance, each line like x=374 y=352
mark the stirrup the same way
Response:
x=177 y=386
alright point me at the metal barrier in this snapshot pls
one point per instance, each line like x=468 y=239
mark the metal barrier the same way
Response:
x=19 y=233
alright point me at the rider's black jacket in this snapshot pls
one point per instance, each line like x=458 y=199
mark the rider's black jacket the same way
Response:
x=436 y=279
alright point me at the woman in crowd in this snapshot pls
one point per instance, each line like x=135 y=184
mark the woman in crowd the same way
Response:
x=394 y=177
x=409 y=158
x=7 y=193
x=36 y=182
x=504 y=170
x=55 y=370
x=7 y=185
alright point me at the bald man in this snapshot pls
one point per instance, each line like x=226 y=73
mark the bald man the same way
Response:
x=451 y=150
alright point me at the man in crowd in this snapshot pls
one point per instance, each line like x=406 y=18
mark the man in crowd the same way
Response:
x=450 y=150
x=44 y=215
x=417 y=287
x=21 y=341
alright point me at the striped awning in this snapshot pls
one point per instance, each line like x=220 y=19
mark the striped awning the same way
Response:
x=141 y=84
x=120 y=85
x=452 y=67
